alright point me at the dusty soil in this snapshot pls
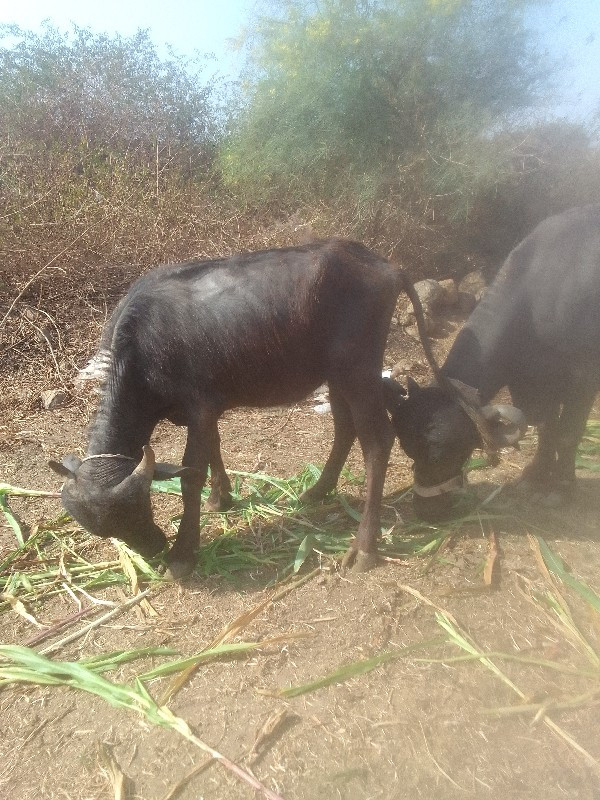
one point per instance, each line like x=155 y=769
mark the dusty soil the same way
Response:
x=408 y=729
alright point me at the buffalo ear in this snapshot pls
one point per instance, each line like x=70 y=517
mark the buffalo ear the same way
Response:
x=393 y=393
x=507 y=423
x=163 y=472
x=413 y=386
x=71 y=462
x=65 y=469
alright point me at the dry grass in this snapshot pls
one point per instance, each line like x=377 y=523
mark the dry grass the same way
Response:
x=32 y=579
x=71 y=245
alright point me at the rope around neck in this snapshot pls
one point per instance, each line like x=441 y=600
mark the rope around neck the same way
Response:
x=456 y=482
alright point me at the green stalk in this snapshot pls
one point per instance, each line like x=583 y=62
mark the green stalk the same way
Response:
x=22 y=665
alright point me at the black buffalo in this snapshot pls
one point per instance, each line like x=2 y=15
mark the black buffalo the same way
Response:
x=537 y=332
x=192 y=340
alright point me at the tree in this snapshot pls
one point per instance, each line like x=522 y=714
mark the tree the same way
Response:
x=106 y=148
x=380 y=95
x=107 y=94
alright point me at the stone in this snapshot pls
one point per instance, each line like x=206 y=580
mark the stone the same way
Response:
x=53 y=399
x=430 y=293
x=431 y=296
x=406 y=367
x=466 y=302
x=473 y=283
x=431 y=327
x=450 y=297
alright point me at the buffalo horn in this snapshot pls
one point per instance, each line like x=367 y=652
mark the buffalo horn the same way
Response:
x=146 y=465
x=517 y=424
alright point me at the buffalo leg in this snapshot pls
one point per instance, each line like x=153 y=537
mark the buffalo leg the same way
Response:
x=376 y=437
x=344 y=435
x=572 y=423
x=538 y=474
x=181 y=558
x=220 y=486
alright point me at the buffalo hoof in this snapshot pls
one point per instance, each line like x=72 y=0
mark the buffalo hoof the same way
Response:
x=178 y=570
x=535 y=479
x=545 y=491
x=553 y=498
x=531 y=486
x=219 y=504
x=312 y=496
x=364 y=562
x=358 y=560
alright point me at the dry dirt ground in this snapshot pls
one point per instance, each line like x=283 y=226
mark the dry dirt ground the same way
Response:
x=415 y=727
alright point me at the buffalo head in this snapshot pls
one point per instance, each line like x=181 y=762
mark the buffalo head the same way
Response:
x=439 y=429
x=109 y=495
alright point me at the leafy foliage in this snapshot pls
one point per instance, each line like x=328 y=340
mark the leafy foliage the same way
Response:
x=106 y=149
x=96 y=91
x=395 y=94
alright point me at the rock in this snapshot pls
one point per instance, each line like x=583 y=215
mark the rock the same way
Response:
x=450 y=288
x=431 y=328
x=430 y=293
x=53 y=399
x=405 y=316
x=473 y=283
x=406 y=367
x=466 y=302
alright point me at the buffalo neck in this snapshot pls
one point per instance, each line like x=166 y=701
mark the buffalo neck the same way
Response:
x=489 y=342
x=124 y=421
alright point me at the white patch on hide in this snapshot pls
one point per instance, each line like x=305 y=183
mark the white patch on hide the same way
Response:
x=96 y=369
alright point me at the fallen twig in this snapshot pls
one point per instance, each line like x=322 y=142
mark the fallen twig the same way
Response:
x=112 y=769
x=95 y=624
x=267 y=731
x=64 y=623
x=488 y=571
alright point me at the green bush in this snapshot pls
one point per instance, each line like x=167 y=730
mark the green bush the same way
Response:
x=373 y=97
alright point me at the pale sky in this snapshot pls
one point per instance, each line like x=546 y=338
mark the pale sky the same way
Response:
x=186 y=25
x=571 y=32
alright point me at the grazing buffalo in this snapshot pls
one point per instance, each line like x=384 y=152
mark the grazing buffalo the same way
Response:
x=192 y=340
x=537 y=332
